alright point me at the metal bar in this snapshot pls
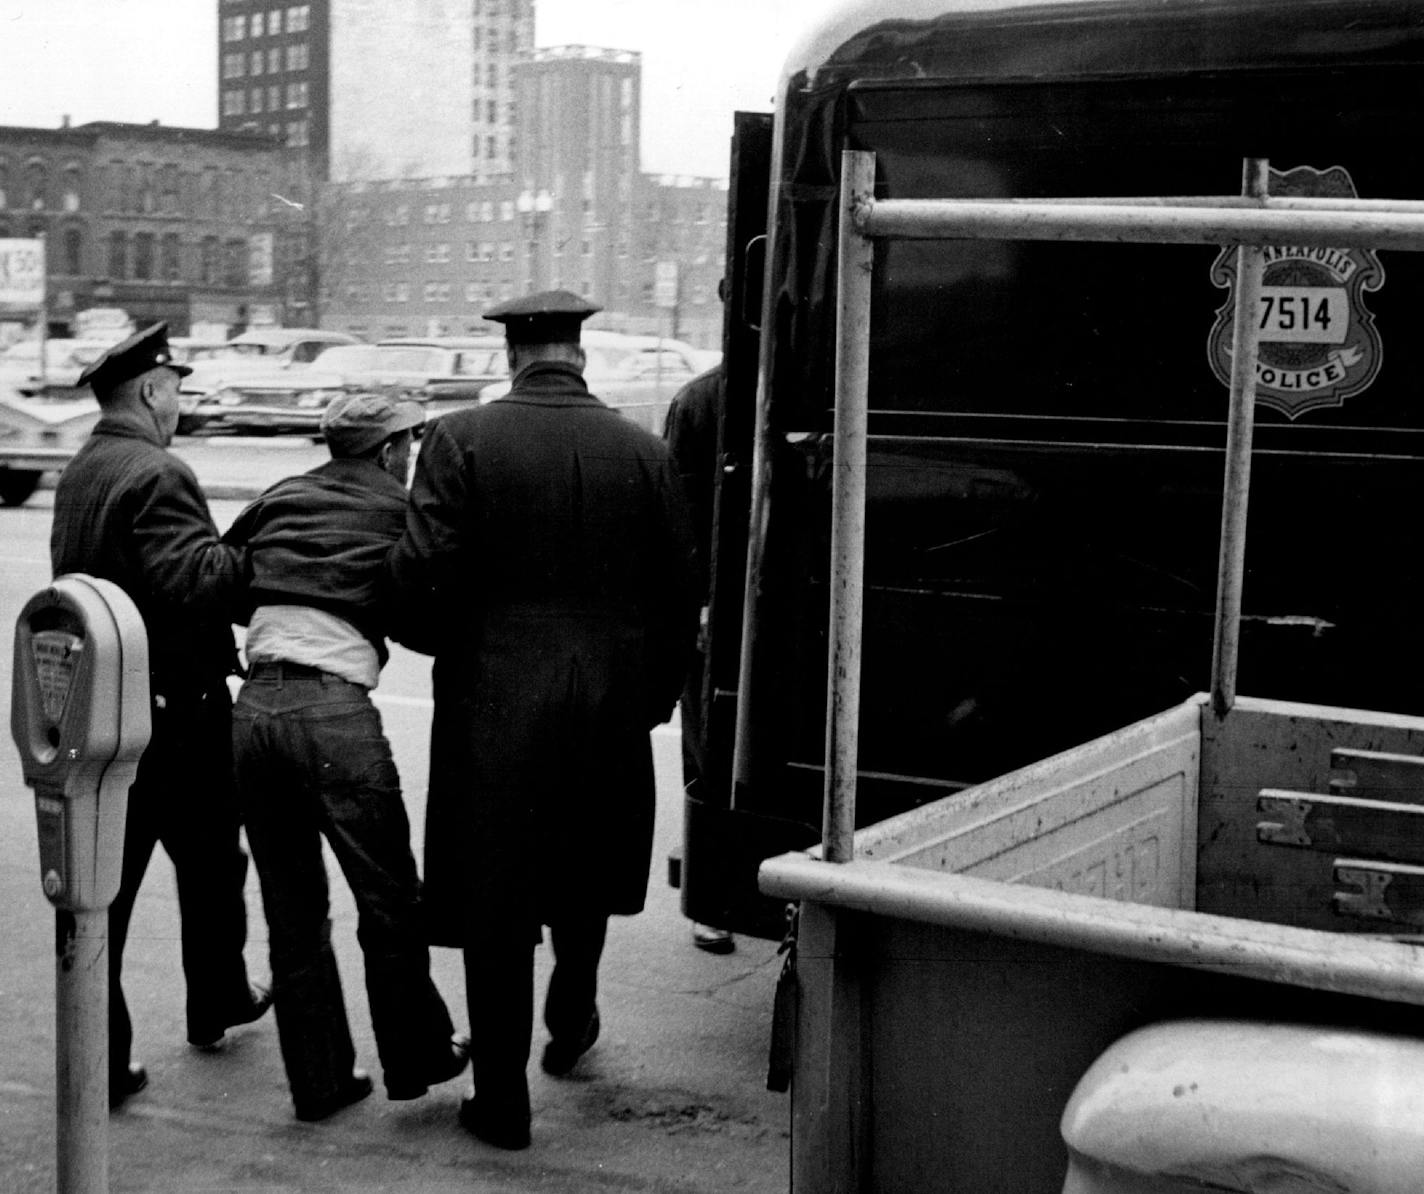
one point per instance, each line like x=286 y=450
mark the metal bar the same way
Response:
x=976 y=219
x=1313 y=958
x=854 y=265
x=1231 y=564
x=1270 y=203
x=1379 y=829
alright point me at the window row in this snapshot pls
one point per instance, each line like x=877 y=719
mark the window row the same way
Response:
x=236 y=102
x=269 y=24
x=31 y=189
x=150 y=257
x=239 y=65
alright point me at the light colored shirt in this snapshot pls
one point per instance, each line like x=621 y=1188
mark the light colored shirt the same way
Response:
x=302 y=634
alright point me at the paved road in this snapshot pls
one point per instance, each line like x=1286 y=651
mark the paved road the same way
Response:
x=672 y=1099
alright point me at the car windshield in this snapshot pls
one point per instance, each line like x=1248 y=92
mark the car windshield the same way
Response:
x=481 y=362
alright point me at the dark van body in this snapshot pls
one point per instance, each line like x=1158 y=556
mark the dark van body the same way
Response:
x=1047 y=421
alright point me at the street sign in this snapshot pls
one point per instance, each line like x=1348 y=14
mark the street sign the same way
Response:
x=22 y=272
x=665 y=284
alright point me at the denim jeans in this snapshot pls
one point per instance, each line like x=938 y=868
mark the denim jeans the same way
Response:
x=311 y=760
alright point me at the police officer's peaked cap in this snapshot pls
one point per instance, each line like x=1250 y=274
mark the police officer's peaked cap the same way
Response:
x=549 y=317
x=138 y=354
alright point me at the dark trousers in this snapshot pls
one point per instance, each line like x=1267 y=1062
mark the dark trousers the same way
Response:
x=499 y=992
x=182 y=797
x=312 y=761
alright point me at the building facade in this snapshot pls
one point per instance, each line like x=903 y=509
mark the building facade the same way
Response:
x=373 y=89
x=163 y=222
x=425 y=256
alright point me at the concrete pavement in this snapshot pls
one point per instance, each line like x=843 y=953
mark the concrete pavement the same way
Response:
x=671 y=1100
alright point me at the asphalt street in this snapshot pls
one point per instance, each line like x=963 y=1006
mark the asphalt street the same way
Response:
x=672 y=1098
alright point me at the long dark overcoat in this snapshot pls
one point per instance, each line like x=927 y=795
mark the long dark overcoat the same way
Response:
x=548 y=565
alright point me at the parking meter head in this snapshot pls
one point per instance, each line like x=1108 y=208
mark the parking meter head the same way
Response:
x=79 y=715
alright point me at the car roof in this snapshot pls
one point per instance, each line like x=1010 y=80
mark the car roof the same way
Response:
x=443 y=342
x=281 y=337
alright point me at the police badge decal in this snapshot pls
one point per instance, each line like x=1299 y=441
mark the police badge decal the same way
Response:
x=1319 y=343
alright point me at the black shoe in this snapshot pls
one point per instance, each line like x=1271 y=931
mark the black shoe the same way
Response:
x=500 y=1127
x=449 y=1066
x=713 y=941
x=133 y=1079
x=210 y=1037
x=353 y=1090
x=561 y=1056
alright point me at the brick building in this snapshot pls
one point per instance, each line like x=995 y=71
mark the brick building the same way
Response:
x=166 y=223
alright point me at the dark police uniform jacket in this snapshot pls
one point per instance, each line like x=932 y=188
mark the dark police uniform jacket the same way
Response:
x=548 y=565
x=129 y=511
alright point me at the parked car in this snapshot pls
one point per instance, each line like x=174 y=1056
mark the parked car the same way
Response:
x=64 y=361
x=636 y=375
x=39 y=432
x=475 y=362
x=259 y=352
x=291 y=401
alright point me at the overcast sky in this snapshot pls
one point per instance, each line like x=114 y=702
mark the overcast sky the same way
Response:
x=141 y=60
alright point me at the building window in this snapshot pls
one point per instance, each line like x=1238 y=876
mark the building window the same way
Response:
x=298 y=18
x=73 y=244
x=143 y=256
x=274 y=101
x=234 y=28
x=36 y=186
x=506 y=210
x=506 y=252
x=296 y=95
x=274 y=22
x=235 y=263
x=69 y=198
x=234 y=66
x=298 y=56
x=172 y=264
x=296 y=133
x=257 y=29
x=274 y=60
x=472 y=292
x=168 y=200
x=402 y=292
x=234 y=103
x=255 y=104
x=208 y=261
x=257 y=60
x=491 y=147
x=118 y=255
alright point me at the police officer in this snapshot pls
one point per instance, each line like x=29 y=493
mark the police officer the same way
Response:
x=129 y=511
x=548 y=564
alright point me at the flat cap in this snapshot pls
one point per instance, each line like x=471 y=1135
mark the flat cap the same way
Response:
x=356 y=423
x=138 y=354
x=549 y=317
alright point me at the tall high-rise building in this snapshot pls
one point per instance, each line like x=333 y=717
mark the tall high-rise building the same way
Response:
x=367 y=89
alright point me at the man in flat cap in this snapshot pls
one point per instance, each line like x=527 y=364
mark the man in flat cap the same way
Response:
x=548 y=565
x=131 y=512
x=312 y=761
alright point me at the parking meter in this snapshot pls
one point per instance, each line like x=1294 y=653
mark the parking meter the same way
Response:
x=79 y=714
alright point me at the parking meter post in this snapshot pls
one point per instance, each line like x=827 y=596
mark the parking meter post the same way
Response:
x=79 y=714
x=82 y=1055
